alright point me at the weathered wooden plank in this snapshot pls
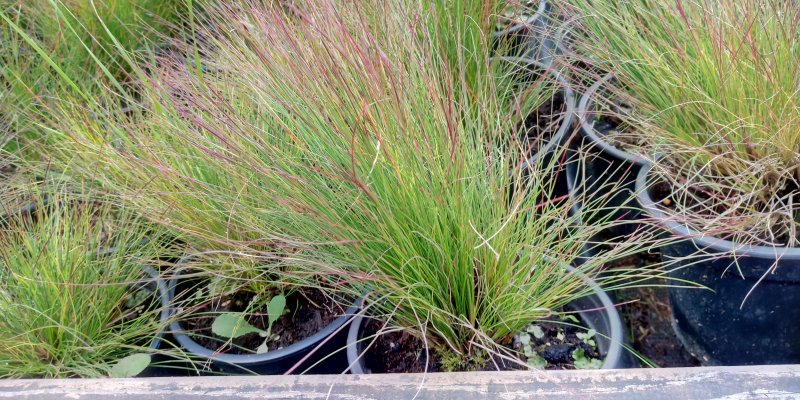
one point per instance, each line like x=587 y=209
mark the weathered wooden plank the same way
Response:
x=729 y=383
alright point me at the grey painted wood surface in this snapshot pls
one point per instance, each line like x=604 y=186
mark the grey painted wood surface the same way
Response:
x=729 y=383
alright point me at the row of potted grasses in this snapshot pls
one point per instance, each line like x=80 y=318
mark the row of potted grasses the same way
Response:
x=351 y=159
x=696 y=119
x=334 y=186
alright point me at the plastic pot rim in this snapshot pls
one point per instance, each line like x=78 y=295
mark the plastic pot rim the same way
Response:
x=587 y=125
x=155 y=344
x=703 y=240
x=163 y=291
x=567 y=116
x=540 y=11
x=195 y=348
x=616 y=334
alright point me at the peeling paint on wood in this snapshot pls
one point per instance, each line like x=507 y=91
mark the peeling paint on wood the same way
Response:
x=719 y=383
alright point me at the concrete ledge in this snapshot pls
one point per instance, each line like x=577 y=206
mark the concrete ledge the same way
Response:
x=730 y=383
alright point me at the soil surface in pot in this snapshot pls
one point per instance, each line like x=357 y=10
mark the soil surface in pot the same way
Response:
x=554 y=344
x=611 y=127
x=307 y=312
x=542 y=124
x=647 y=315
x=705 y=206
x=401 y=352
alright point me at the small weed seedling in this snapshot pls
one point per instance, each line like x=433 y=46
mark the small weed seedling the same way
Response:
x=233 y=325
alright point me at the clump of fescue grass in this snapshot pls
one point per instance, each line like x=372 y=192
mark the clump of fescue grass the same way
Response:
x=237 y=92
x=341 y=137
x=80 y=39
x=63 y=292
x=713 y=88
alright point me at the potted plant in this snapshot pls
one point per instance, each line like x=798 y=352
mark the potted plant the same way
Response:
x=603 y=162
x=526 y=27
x=239 y=314
x=403 y=191
x=72 y=306
x=712 y=91
x=597 y=314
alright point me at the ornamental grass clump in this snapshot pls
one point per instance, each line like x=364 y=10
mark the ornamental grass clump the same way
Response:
x=339 y=137
x=245 y=108
x=74 y=298
x=50 y=49
x=712 y=88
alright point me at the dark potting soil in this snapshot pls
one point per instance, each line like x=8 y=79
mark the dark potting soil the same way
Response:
x=618 y=134
x=396 y=352
x=647 y=315
x=307 y=312
x=557 y=340
x=401 y=352
x=542 y=124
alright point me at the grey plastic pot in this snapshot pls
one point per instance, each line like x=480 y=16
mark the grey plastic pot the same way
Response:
x=154 y=284
x=553 y=152
x=323 y=343
x=748 y=317
x=529 y=37
x=601 y=315
x=157 y=285
x=603 y=167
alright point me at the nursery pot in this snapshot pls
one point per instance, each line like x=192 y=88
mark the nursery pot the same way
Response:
x=157 y=284
x=600 y=315
x=25 y=211
x=603 y=167
x=554 y=151
x=154 y=284
x=751 y=314
x=323 y=343
x=530 y=39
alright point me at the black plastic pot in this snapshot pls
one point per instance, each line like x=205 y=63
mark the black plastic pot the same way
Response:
x=605 y=176
x=602 y=316
x=530 y=39
x=325 y=359
x=748 y=317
